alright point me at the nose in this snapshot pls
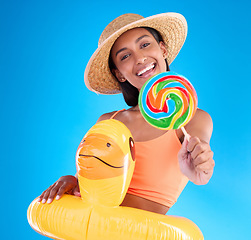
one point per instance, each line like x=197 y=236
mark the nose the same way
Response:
x=140 y=58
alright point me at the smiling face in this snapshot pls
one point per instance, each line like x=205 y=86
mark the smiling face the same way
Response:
x=138 y=56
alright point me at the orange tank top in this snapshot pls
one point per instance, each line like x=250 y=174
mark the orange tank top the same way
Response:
x=157 y=176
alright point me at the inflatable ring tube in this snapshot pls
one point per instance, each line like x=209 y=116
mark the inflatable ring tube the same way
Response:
x=105 y=164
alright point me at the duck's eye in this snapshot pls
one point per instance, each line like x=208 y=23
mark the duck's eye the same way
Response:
x=83 y=141
x=108 y=144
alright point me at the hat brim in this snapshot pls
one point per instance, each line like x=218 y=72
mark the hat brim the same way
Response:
x=171 y=26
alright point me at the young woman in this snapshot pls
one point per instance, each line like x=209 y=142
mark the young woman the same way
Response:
x=131 y=50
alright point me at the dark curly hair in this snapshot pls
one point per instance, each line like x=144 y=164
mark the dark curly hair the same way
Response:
x=131 y=93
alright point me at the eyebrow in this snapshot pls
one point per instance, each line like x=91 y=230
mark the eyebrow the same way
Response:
x=137 y=40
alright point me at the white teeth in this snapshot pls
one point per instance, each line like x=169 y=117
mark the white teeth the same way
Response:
x=145 y=69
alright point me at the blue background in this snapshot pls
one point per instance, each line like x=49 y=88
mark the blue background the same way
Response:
x=46 y=108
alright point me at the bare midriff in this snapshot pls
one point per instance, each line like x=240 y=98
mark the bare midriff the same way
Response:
x=144 y=204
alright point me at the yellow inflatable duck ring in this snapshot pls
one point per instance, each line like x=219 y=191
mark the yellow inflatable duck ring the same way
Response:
x=105 y=164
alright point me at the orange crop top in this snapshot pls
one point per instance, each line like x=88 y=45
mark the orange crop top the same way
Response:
x=157 y=176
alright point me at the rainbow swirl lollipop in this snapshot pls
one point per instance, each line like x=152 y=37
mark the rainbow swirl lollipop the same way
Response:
x=168 y=101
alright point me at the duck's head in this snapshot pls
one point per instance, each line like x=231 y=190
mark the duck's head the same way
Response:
x=105 y=163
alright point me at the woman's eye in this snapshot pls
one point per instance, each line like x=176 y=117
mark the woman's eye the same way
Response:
x=124 y=57
x=145 y=45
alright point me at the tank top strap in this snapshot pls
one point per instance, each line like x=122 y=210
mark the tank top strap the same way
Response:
x=116 y=113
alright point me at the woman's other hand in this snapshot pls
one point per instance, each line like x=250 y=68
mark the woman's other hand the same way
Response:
x=65 y=184
x=196 y=160
x=195 y=156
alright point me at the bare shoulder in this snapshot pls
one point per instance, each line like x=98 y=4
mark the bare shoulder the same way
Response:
x=201 y=125
x=106 y=116
x=202 y=116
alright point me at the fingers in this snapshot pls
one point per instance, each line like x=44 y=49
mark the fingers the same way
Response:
x=202 y=156
x=206 y=166
x=193 y=143
x=44 y=196
x=61 y=190
x=65 y=184
x=49 y=194
x=76 y=191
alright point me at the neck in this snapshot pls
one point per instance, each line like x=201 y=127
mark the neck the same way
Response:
x=136 y=108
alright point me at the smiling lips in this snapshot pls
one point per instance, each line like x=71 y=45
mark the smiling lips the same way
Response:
x=145 y=72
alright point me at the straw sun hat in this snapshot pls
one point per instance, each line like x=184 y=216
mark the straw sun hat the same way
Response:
x=171 y=26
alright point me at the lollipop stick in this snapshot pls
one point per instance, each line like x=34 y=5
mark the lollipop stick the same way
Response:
x=187 y=136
